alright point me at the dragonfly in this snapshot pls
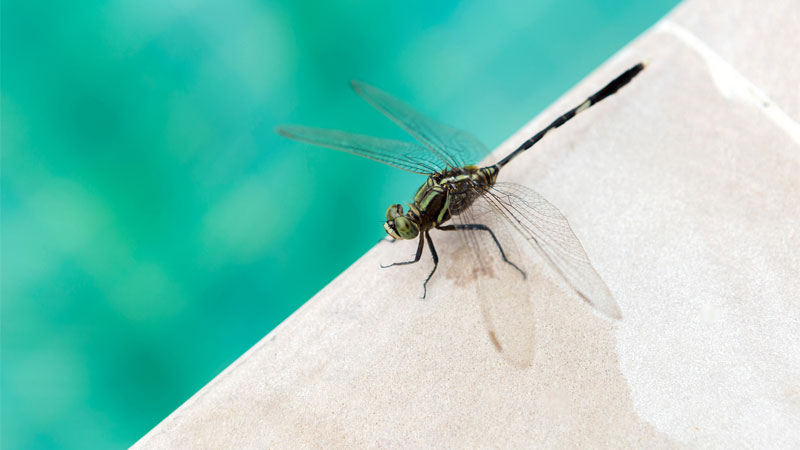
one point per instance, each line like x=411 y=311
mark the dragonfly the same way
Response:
x=461 y=196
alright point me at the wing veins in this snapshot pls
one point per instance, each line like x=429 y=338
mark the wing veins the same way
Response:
x=399 y=154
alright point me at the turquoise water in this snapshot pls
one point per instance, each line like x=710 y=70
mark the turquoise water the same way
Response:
x=154 y=227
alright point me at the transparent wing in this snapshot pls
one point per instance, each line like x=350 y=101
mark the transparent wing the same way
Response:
x=547 y=230
x=402 y=155
x=456 y=147
x=499 y=276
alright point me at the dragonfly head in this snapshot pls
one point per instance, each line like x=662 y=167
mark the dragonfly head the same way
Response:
x=398 y=225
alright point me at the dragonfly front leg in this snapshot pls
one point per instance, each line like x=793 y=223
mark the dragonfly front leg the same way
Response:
x=481 y=227
x=417 y=257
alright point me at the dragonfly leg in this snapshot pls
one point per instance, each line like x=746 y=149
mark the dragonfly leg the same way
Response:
x=478 y=227
x=435 y=264
x=416 y=258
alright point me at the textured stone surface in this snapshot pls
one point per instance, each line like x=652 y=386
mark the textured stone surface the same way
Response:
x=757 y=38
x=685 y=192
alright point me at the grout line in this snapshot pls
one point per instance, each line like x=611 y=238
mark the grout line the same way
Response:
x=731 y=83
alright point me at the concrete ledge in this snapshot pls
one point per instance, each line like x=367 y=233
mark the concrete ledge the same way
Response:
x=685 y=191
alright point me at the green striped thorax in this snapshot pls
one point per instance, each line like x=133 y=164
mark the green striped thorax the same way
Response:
x=433 y=201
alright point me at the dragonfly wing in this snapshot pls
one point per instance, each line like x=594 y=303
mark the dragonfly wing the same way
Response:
x=503 y=296
x=548 y=231
x=402 y=155
x=455 y=147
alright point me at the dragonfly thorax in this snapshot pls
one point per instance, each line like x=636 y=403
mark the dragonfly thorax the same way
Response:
x=443 y=195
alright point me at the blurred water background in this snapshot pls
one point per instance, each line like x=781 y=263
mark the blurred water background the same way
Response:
x=153 y=225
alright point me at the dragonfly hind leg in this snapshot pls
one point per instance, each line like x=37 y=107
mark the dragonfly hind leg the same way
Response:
x=417 y=257
x=481 y=227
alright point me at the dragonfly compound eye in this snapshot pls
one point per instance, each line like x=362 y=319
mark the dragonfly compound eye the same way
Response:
x=401 y=228
x=394 y=211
